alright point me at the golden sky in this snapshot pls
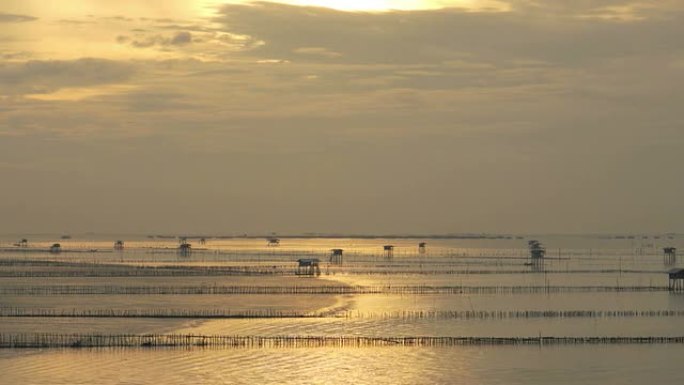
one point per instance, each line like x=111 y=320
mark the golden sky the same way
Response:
x=341 y=116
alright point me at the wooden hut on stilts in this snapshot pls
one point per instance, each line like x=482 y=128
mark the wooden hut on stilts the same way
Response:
x=308 y=267
x=421 y=247
x=389 y=251
x=670 y=255
x=537 y=253
x=119 y=245
x=185 y=249
x=676 y=280
x=336 y=256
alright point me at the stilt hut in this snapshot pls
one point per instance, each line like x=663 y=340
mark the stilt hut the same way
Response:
x=676 y=280
x=537 y=251
x=119 y=245
x=185 y=249
x=55 y=248
x=670 y=254
x=308 y=267
x=389 y=251
x=421 y=247
x=203 y=241
x=336 y=256
x=23 y=243
x=273 y=242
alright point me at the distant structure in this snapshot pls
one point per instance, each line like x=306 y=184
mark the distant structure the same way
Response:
x=66 y=236
x=421 y=247
x=308 y=267
x=273 y=242
x=670 y=254
x=336 y=256
x=203 y=241
x=56 y=248
x=185 y=249
x=22 y=243
x=676 y=280
x=537 y=251
x=389 y=251
x=182 y=240
x=119 y=245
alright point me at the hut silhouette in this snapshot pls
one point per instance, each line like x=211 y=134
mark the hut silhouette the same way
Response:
x=308 y=267
x=185 y=249
x=676 y=280
x=22 y=243
x=421 y=247
x=336 y=256
x=119 y=245
x=55 y=248
x=389 y=251
x=273 y=242
x=670 y=255
x=537 y=251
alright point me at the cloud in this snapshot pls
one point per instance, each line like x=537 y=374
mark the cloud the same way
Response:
x=317 y=51
x=557 y=33
x=12 y=18
x=181 y=38
x=146 y=40
x=38 y=77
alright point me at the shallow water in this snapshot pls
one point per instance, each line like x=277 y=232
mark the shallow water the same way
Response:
x=461 y=365
x=584 y=262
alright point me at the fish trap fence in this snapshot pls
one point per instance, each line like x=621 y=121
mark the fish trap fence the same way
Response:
x=148 y=272
x=512 y=314
x=313 y=290
x=276 y=314
x=37 y=340
x=154 y=313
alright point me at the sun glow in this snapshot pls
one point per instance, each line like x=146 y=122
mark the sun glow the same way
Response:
x=387 y=5
x=363 y=5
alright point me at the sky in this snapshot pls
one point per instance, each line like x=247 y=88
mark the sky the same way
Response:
x=331 y=116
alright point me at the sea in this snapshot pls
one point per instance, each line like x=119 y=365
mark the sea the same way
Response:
x=462 y=309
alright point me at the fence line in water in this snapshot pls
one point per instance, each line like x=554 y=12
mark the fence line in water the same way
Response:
x=513 y=314
x=273 y=271
x=149 y=272
x=273 y=313
x=37 y=340
x=293 y=290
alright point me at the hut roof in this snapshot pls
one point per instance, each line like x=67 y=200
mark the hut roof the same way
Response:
x=676 y=273
x=308 y=261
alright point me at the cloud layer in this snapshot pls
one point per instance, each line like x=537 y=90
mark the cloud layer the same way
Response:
x=286 y=118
